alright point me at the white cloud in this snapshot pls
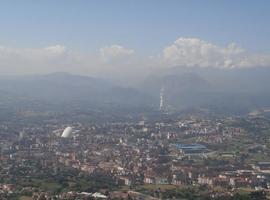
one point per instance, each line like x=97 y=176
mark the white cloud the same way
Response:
x=32 y=55
x=34 y=60
x=195 y=52
x=59 y=58
x=114 y=52
x=57 y=49
x=117 y=60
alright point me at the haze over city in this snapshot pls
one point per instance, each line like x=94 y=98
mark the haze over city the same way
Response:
x=134 y=100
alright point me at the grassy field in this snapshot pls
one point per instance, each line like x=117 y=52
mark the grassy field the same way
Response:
x=46 y=185
x=25 y=198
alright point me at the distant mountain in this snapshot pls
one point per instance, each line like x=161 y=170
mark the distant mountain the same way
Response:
x=220 y=90
x=178 y=88
x=225 y=91
x=64 y=88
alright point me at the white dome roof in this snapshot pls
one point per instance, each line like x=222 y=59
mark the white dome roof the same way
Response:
x=67 y=133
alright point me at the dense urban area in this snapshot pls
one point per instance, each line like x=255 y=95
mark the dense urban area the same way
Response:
x=135 y=100
x=169 y=157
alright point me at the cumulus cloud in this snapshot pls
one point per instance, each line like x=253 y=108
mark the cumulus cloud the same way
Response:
x=117 y=60
x=107 y=60
x=32 y=55
x=191 y=52
x=114 y=52
x=57 y=49
x=34 y=60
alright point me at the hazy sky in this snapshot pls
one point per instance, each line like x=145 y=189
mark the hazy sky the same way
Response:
x=95 y=37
